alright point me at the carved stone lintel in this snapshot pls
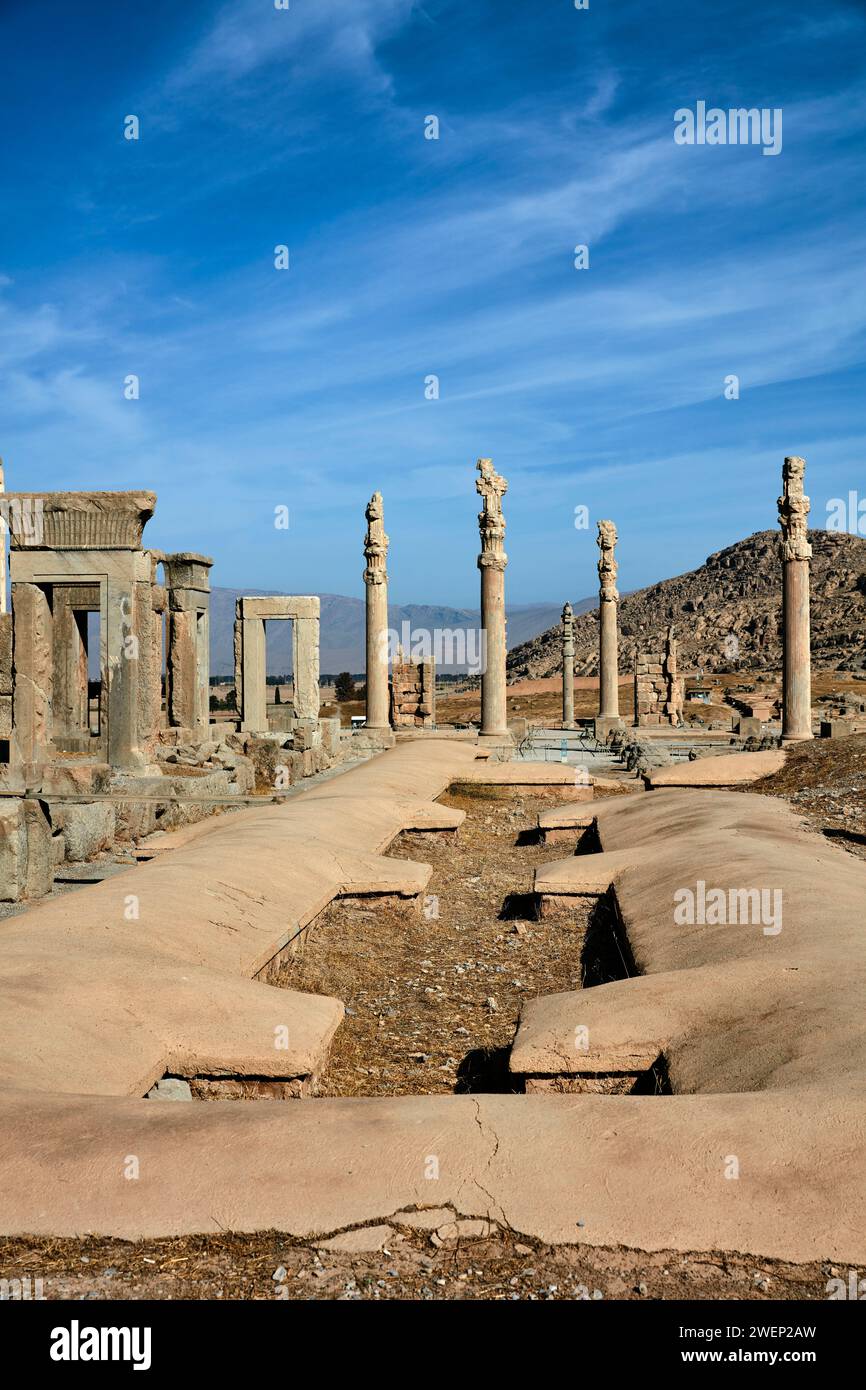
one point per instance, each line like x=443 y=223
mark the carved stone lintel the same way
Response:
x=794 y=511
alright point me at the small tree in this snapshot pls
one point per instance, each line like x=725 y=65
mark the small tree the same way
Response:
x=344 y=687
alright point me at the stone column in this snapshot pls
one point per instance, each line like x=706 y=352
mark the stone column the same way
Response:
x=188 y=660
x=796 y=554
x=376 y=581
x=125 y=645
x=33 y=670
x=250 y=672
x=159 y=608
x=305 y=659
x=608 y=666
x=491 y=562
x=567 y=667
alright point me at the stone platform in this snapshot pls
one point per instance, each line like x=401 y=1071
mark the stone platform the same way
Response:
x=725 y=770
x=762 y=1034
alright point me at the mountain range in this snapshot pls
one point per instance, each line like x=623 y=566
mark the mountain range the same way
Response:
x=343 y=626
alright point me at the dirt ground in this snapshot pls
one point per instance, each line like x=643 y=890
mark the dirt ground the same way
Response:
x=269 y=1266
x=825 y=779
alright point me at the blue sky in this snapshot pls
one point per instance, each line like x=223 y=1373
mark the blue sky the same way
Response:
x=409 y=257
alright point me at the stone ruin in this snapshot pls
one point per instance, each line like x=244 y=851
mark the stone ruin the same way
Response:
x=105 y=727
x=413 y=693
x=658 y=690
x=669 y=1077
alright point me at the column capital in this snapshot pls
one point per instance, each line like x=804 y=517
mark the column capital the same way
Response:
x=794 y=508
x=607 y=565
x=376 y=542
x=491 y=487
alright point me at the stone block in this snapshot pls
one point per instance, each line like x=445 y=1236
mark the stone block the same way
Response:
x=330 y=731
x=747 y=727
x=5 y=653
x=88 y=827
x=26 y=859
x=75 y=779
x=39 y=878
x=836 y=728
x=279 y=606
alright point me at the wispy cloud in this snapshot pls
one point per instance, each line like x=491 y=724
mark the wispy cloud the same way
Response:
x=309 y=37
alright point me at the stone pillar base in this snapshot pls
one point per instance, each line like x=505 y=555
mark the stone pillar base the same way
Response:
x=372 y=738
x=605 y=723
x=503 y=742
x=795 y=738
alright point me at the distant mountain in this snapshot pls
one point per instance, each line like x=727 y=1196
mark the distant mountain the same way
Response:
x=342 y=628
x=736 y=594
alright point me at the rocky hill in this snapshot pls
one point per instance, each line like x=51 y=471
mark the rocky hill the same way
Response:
x=727 y=613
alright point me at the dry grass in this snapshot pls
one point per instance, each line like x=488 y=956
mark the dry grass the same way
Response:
x=825 y=779
x=229 y=1266
x=432 y=1000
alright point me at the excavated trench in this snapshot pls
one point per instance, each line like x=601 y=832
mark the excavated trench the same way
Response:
x=433 y=991
x=433 y=995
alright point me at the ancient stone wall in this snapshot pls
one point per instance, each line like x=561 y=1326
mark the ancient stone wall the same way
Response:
x=658 y=689
x=413 y=694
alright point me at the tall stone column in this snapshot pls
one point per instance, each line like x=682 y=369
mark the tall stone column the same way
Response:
x=567 y=667
x=491 y=562
x=796 y=554
x=376 y=581
x=608 y=638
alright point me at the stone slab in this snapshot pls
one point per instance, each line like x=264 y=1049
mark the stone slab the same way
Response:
x=726 y=770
